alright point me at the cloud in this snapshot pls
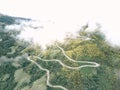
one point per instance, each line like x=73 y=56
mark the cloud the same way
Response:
x=67 y=15
x=18 y=58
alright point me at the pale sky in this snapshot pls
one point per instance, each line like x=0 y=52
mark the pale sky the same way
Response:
x=60 y=16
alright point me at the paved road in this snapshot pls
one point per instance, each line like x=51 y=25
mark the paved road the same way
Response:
x=94 y=64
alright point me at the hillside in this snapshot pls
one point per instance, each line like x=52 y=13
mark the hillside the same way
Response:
x=83 y=62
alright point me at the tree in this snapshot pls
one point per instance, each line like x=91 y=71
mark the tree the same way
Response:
x=87 y=46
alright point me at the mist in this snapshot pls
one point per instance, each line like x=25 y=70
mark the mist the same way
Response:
x=18 y=58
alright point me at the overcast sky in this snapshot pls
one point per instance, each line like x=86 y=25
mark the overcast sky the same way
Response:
x=59 y=16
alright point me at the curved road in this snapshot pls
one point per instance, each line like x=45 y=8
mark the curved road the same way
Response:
x=48 y=75
x=94 y=64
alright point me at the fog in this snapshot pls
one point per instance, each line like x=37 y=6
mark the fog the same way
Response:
x=56 y=18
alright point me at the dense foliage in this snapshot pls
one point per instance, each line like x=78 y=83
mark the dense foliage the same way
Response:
x=88 y=46
x=17 y=73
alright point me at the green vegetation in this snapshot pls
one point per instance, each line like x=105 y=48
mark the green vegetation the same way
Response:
x=17 y=73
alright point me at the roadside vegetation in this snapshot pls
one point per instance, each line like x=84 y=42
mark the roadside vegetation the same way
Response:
x=17 y=73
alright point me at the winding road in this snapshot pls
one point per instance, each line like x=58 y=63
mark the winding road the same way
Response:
x=94 y=64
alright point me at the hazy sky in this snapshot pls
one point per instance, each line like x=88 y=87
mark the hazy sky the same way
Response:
x=59 y=16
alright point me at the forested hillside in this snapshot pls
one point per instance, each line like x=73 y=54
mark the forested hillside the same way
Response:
x=19 y=73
